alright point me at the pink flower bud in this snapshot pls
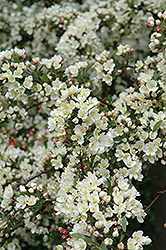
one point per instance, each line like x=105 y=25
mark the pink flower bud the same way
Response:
x=96 y=233
x=85 y=167
x=119 y=71
x=60 y=229
x=64 y=237
x=23 y=56
x=45 y=195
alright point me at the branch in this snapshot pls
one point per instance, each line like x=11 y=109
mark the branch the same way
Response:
x=25 y=182
x=34 y=105
x=101 y=100
x=128 y=66
x=20 y=224
x=82 y=166
x=159 y=194
x=50 y=200
x=17 y=226
x=53 y=244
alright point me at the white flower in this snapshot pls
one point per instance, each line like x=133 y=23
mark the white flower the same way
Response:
x=11 y=246
x=21 y=202
x=139 y=64
x=18 y=51
x=31 y=200
x=56 y=61
x=73 y=70
x=98 y=67
x=139 y=145
x=47 y=62
x=108 y=79
x=22 y=188
x=23 y=112
x=59 y=247
x=28 y=82
x=18 y=126
x=132 y=244
x=80 y=244
x=109 y=65
x=150 y=149
x=152 y=85
x=108 y=241
x=8 y=192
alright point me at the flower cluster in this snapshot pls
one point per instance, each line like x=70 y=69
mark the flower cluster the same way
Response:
x=82 y=30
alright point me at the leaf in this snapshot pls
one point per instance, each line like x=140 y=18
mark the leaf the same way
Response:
x=109 y=186
x=121 y=237
x=45 y=78
x=118 y=138
x=16 y=58
x=92 y=161
x=75 y=180
x=11 y=224
x=37 y=208
x=2 y=124
x=89 y=66
x=87 y=239
x=90 y=49
x=109 y=98
x=157 y=126
x=103 y=247
x=124 y=222
x=35 y=88
x=5 y=217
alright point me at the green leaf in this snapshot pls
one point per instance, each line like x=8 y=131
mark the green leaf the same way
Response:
x=103 y=247
x=157 y=126
x=45 y=78
x=109 y=98
x=118 y=138
x=121 y=237
x=11 y=224
x=6 y=217
x=77 y=235
x=75 y=180
x=89 y=66
x=2 y=124
x=37 y=208
x=109 y=186
x=90 y=49
x=16 y=58
x=87 y=239
x=35 y=88
x=124 y=222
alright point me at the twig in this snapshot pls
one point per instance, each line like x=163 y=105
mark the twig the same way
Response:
x=53 y=244
x=128 y=66
x=101 y=100
x=159 y=194
x=34 y=105
x=20 y=224
x=50 y=200
x=17 y=226
x=82 y=166
x=25 y=182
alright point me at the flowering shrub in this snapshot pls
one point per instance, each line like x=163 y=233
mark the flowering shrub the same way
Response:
x=68 y=156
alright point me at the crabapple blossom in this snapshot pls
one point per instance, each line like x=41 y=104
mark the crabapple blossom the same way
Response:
x=71 y=146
